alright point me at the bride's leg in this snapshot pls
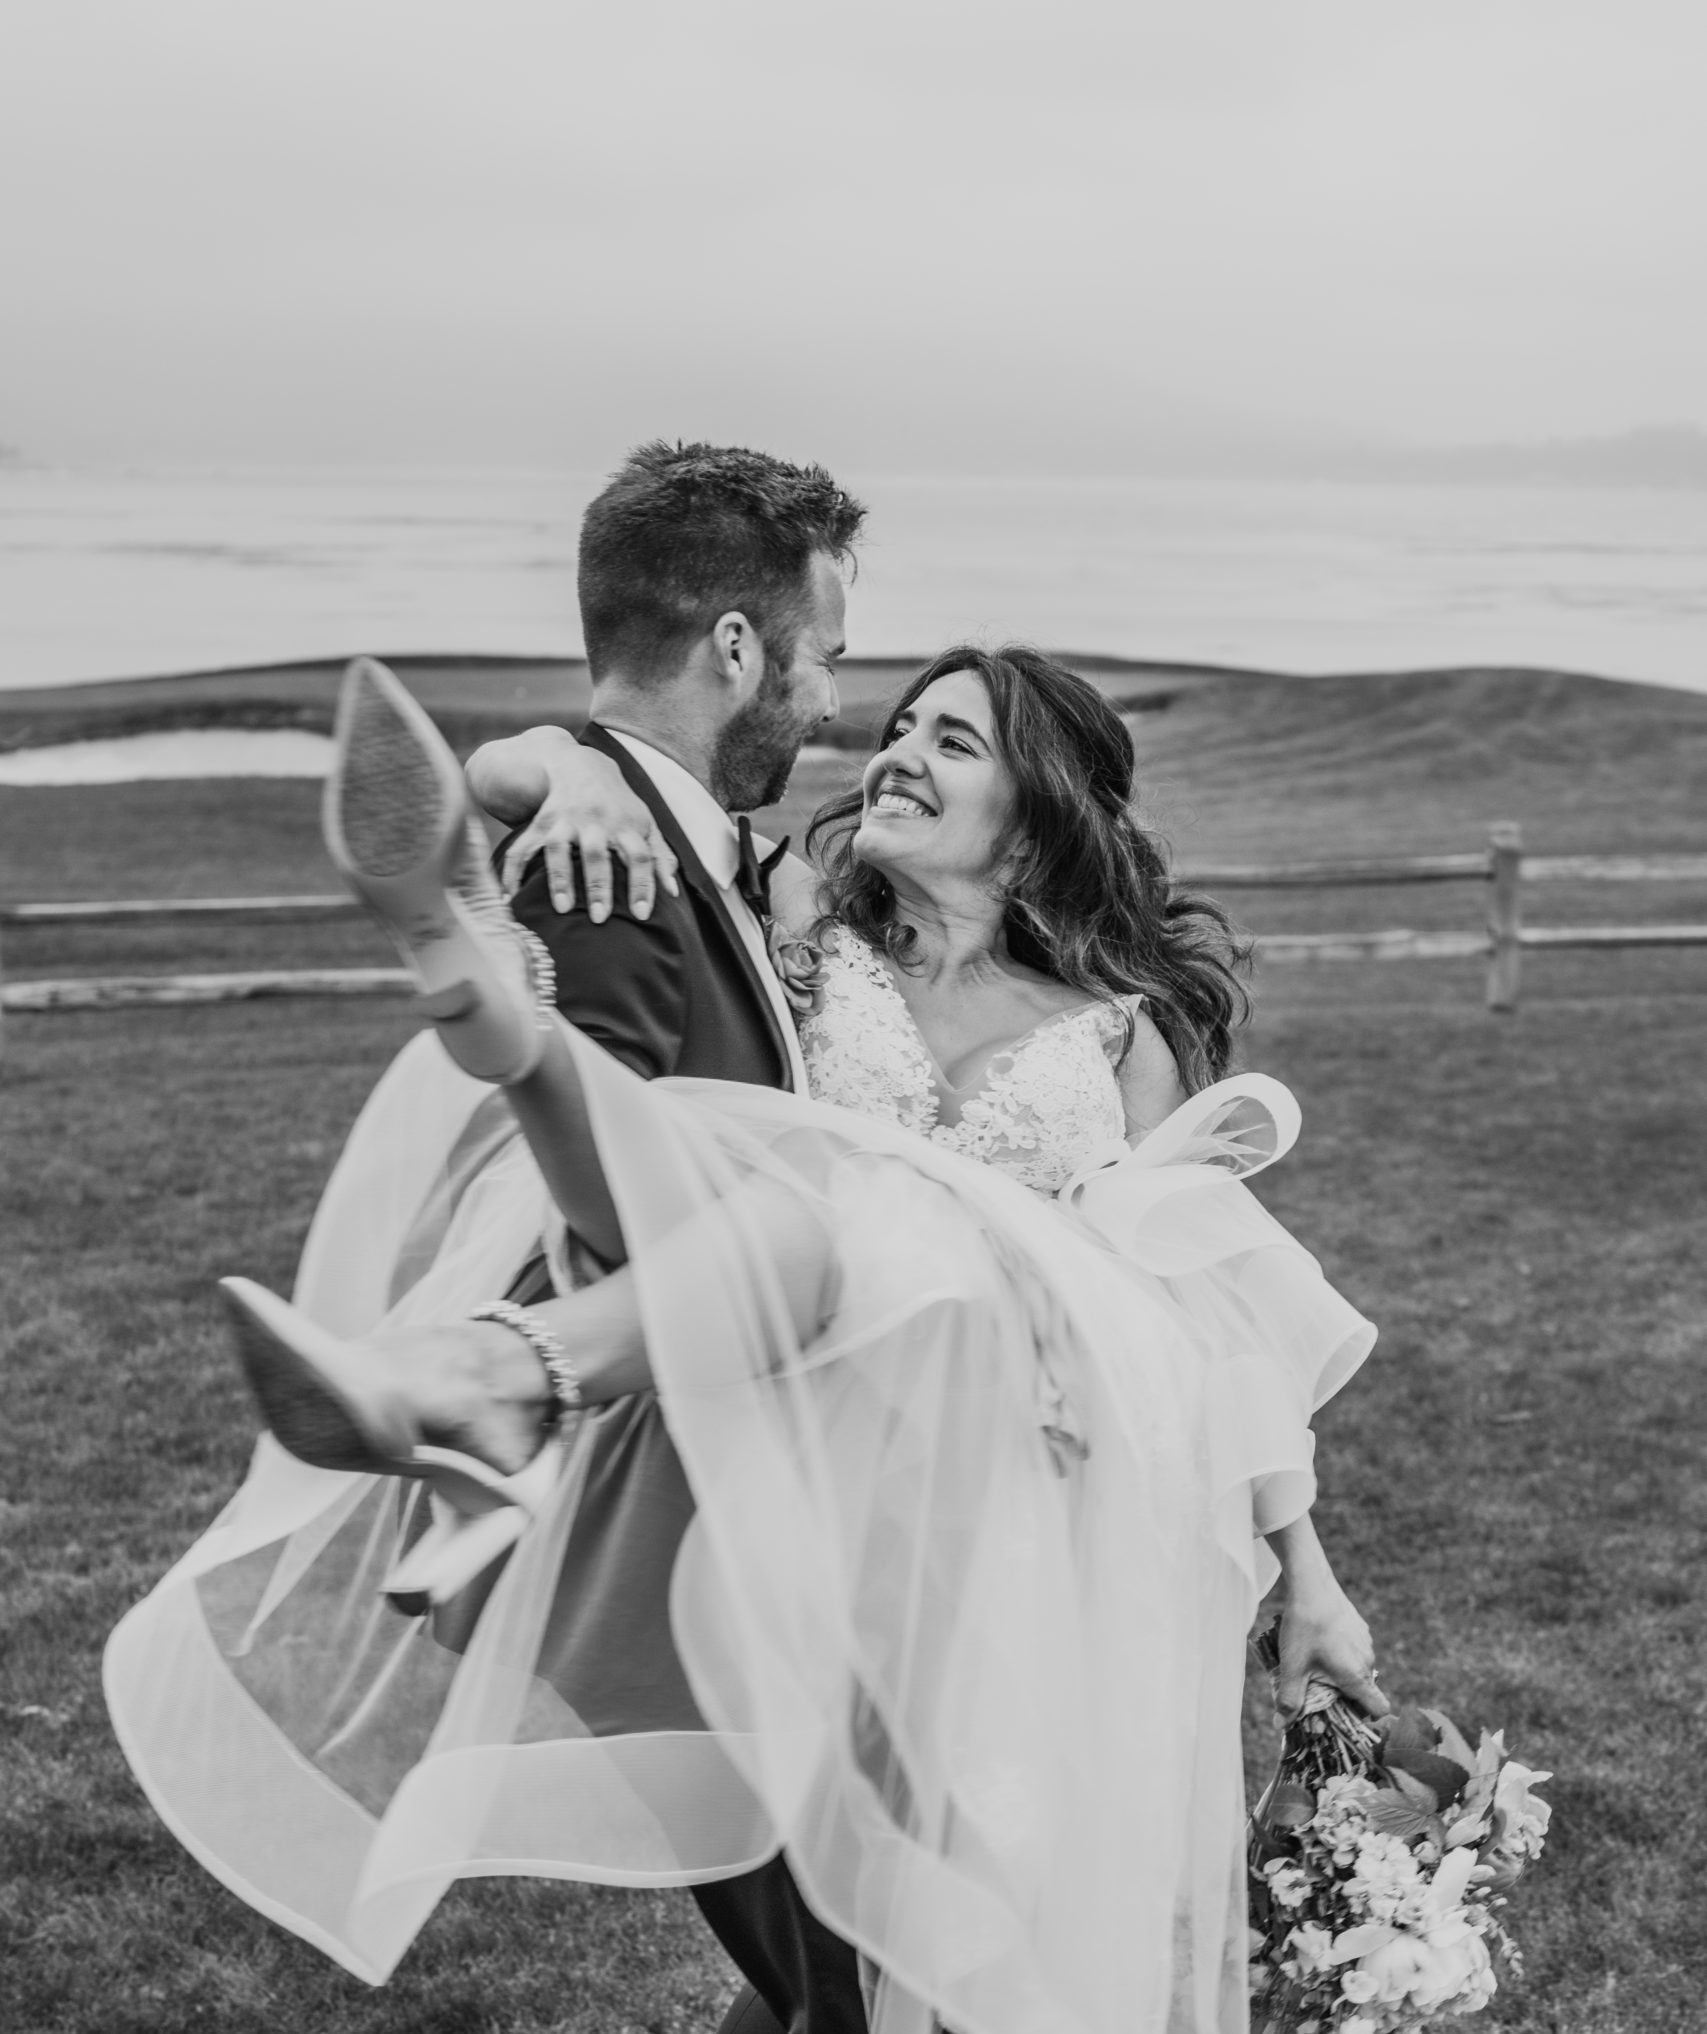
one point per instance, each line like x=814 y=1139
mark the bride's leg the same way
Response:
x=397 y=824
x=478 y=1386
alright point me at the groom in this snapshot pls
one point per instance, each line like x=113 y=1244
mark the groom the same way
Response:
x=711 y=592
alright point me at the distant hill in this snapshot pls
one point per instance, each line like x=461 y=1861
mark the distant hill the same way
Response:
x=1667 y=455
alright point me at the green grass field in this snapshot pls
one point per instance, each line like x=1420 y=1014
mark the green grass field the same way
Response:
x=1515 y=1487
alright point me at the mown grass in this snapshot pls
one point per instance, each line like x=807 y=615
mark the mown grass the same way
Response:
x=1514 y=1487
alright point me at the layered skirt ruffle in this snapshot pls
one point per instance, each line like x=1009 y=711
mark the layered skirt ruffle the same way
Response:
x=958 y=1584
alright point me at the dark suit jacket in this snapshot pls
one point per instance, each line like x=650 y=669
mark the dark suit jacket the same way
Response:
x=677 y=993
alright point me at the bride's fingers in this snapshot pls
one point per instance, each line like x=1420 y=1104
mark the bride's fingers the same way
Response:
x=518 y=857
x=560 y=874
x=665 y=858
x=640 y=863
x=642 y=849
x=647 y=857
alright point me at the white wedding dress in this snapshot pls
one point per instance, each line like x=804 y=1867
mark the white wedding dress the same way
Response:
x=964 y=1597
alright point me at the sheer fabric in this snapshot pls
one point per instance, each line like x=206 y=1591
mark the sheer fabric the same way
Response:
x=962 y=1603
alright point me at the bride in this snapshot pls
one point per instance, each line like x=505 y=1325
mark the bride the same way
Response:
x=990 y=1377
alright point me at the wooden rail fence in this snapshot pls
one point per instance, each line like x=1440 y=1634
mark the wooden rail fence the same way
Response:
x=1502 y=866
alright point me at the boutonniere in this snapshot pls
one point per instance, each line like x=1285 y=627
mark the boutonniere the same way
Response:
x=799 y=965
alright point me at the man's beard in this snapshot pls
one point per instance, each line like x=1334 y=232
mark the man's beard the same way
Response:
x=757 y=748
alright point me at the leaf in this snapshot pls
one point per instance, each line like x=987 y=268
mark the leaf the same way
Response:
x=1445 y=1776
x=1408 y=1730
x=1393 y=1815
x=1290 y=1805
x=1452 y=1742
x=1417 y=1792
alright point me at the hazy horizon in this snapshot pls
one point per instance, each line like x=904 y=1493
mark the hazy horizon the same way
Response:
x=927 y=238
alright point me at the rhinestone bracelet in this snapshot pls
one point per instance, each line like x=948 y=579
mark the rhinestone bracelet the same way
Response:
x=565 y=1382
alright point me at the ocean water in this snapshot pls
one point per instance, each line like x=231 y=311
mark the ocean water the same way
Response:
x=111 y=575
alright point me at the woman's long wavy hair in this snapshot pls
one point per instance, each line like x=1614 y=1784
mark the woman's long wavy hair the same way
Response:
x=1089 y=900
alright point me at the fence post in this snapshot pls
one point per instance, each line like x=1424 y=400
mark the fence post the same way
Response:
x=1505 y=913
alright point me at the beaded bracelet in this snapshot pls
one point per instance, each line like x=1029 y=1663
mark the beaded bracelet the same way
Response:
x=565 y=1382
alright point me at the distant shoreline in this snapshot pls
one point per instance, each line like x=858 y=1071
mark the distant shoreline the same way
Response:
x=477 y=697
x=473 y=697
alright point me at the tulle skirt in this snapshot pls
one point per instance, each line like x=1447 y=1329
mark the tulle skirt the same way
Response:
x=957 y=1585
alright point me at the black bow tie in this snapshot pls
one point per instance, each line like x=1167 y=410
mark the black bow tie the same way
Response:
x=752 y=876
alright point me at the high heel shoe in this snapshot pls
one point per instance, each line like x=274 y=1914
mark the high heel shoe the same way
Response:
x=398 y=826
x=330 y=1405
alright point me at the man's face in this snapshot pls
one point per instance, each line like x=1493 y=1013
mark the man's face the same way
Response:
x=759 y=743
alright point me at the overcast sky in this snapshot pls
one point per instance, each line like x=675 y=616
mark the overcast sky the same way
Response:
x=896 y=234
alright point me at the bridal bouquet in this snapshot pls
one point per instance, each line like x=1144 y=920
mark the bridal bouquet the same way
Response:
x=1379 y=1858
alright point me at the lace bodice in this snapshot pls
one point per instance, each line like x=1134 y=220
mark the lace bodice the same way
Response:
x=1044 y=1106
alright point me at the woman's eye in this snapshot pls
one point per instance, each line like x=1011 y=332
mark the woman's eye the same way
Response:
x=952 y=742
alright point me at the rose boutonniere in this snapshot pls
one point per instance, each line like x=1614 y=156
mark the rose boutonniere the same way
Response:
x=799 y=965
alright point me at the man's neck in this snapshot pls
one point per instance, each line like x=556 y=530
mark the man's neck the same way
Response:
x=657 y=722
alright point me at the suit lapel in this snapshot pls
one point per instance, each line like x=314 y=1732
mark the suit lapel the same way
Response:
x=698 y=879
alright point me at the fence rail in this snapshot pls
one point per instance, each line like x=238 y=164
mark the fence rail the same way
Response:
x=77 y=911
x=1502 y=866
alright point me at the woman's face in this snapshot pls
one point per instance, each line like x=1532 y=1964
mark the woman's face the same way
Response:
x=939 y=798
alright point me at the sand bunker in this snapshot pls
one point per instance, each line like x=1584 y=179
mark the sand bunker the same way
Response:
x=184 y=752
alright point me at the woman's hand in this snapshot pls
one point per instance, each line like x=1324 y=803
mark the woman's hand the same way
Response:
x=1321 y=1635
x=1322 y=1638
x=572 y=798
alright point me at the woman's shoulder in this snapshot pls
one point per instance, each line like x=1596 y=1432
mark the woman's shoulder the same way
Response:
x=1150 y=1085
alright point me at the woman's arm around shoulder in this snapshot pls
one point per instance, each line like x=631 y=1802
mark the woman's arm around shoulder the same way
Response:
x=1150 y=1086
x=568 y=800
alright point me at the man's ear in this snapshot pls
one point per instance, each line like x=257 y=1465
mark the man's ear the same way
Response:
x=737 y=655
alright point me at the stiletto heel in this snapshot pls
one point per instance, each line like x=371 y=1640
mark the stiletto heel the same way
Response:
x=461 y=1544
x=331 y=1409
x=398 y=826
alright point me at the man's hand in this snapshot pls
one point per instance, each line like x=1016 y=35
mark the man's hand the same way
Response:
x=577 y=799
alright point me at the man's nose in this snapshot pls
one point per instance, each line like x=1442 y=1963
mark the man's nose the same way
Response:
x=834 y=706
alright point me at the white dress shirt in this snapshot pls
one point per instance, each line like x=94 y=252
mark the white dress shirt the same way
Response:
x=712 y=836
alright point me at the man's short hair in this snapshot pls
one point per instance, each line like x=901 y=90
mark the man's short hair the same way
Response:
x=685 y=533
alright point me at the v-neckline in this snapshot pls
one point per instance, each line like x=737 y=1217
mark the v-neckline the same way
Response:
x=943 y=1092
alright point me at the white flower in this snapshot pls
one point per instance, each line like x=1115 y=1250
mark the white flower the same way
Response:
x=1394 y=1967
x=1526 y=1814
x=1450 y=1882
x=1286 y=1883
x=1386 y=1880
x=1311 y=1946
x=1453 y=1971
x=1358 y=1986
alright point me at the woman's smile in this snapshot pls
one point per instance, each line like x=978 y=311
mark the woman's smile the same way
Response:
x=901 y=804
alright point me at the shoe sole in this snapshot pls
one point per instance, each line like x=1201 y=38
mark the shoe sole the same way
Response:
x=314 y=1415
x=396 y=821
x=304 y=1406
